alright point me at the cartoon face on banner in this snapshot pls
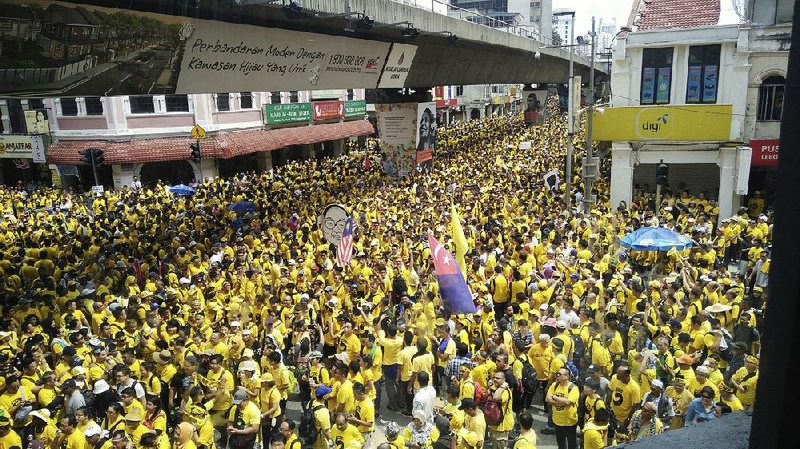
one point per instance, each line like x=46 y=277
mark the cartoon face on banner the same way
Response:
x=332 y=222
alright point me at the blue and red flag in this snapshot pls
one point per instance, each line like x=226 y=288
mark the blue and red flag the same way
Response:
x=452 y=287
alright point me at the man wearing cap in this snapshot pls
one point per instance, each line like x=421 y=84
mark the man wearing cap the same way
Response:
x=244 y=421
x=270 y=400
x=8 y=437
x=322 y=417
x=660 y=400
x=134 y=427
x=95 y=439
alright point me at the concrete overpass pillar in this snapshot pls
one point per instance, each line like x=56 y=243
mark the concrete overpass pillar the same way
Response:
x=621 y=174
x=264 y=161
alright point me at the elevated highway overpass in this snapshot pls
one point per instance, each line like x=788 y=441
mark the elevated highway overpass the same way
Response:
x=119 y=47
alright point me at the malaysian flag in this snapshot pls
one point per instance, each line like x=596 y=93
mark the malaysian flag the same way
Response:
x=344 y=251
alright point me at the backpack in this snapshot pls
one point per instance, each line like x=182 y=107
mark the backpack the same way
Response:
x=307 y=426
x=493 y=411
x=529 y=381
x=480 y=394
x=578 y=348
x=88 y=397
x=573 y=370
x=293 y=387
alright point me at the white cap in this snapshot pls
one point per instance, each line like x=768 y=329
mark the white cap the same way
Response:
x=657 y=383
x=236 y=324
x=561 y=324
x=93 y=430
x=184 y=281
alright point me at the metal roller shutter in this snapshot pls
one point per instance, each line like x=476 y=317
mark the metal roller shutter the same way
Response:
x=695 y=178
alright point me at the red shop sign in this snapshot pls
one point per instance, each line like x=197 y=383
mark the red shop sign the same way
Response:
x=325 y=110
x=453 y=102
x=765 y=152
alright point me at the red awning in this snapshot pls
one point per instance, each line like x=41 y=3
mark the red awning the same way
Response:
x=221 y=145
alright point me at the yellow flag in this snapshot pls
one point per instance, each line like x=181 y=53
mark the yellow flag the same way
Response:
x=459 y=239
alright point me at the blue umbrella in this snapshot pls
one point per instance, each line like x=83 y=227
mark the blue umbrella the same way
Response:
x=655 y=239
x=181 y=189
x=241 y=207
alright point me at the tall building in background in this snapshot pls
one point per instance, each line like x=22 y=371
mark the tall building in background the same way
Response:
x=542 y=16
x=562 y=21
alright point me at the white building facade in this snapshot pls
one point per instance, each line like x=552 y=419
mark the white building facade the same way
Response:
x=739 y=65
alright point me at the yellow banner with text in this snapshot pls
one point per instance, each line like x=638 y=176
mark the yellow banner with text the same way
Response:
x=702 y=122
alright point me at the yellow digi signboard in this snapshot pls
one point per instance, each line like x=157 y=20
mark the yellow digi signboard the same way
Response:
x=706 y=122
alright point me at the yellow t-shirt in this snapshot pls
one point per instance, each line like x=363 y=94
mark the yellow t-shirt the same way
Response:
x=13 y=440
x=391 y=349
x=623 y=397
x=248 y=417
x=565 y=415
x=345 y=396
x=349 y=438
x=365 y=411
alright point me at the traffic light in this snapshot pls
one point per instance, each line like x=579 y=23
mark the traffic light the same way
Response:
x=195 y=151
x=661 y=174
x=99 y=158
x=86 y=156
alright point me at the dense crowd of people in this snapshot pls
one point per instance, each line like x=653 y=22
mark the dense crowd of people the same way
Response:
x=140 y=319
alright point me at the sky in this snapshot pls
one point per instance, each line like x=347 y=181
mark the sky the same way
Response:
x=620 y=10
x=585 y=9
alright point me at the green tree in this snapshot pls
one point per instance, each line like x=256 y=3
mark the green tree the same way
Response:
x=556 y=38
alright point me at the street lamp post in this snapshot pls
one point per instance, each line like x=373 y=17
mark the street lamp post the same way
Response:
x=570 y=114
x=589 y=174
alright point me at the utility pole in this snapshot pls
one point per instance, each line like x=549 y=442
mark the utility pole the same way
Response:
x=570 y=119
x=592 y=171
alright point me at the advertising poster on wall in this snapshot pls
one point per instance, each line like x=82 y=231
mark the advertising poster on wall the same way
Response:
x=535 y=101
x=710 y=84
x=426 y=135
x=140 y=51
x=694 y=83
x=664 y=77
x=397 y=132
x=648 y=84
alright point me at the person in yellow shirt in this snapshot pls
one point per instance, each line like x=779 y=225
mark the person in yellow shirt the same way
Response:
x=134 y=427
x=595 y=431
x=270 y=401
x=540 y=355
x=563 y=398
x=474 y=425
x=745 y=380
x=9 y=438
x=624 y=394
x=345 y=435
x=527 y=436
x=244 y=421
x=68 y=436
x=501 y=393
x=322 y=417
x=364 y=415
x=345 y=401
